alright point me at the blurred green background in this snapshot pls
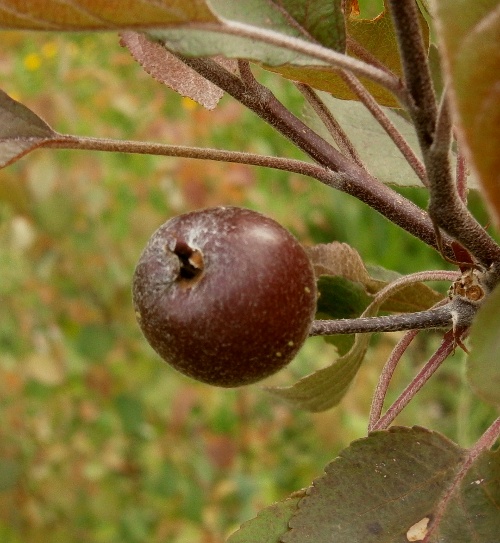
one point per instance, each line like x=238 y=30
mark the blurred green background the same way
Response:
x=100 y=441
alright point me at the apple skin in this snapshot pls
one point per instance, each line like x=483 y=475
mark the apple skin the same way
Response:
x=225 y=295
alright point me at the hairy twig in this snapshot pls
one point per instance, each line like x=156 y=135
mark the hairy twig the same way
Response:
x=205 y=153
x=445 y=206
x=461 y=175
x=386 y=376
x=445 y=349
x=438 y=317
x=350 y=179
x=371 y=104
x=335 y=130
x=435 y=317
x=422 y=105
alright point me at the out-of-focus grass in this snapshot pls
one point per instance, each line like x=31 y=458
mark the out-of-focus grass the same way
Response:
x=99 y=440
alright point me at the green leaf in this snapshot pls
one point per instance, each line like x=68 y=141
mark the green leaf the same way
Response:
x=483 y=365
x=21 y=130
x=288 y=17
x=388 y=487
x=469 y=39
x=376 y=149
x=101 y=14
x=269 y=525
x=326 y=387
x=378 y=37
x=340 y=299
x=341 y=260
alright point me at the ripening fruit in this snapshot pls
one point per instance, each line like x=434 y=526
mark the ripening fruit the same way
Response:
x=225 y=295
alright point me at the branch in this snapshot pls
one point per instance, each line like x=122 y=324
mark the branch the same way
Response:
x=350 y=178
x=335 y=130
x=445 y=349
x=446 y=208
x=386 y=376
x=433 y=130
x=417 y=76
x=438 y=317
x=159 y=149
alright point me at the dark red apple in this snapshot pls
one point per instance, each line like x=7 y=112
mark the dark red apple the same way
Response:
x=225 y=295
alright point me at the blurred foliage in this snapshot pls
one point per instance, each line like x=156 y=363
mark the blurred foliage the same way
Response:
x=99 y=441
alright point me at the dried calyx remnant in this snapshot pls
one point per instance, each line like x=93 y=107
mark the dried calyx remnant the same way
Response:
x=190 y=260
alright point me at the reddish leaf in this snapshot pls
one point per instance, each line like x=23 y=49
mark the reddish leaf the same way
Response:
x=166 y=68
x=21 y=130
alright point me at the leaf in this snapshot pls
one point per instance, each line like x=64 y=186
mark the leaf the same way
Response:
x=21 y=130
x=378 y=37
x=376 y=149
x=101 y=14
x=268 y=525
x=483 y=364
x=388 y=487
x=326 y=387
x=166 y=68
x=286 y=17
x=469 y=36
x=340 y=299
x=339 y=259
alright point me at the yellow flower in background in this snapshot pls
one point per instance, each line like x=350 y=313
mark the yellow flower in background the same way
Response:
x=32 y=62
x=49 y=49
x=188 y=104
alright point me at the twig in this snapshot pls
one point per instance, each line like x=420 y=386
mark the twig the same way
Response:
x=126 y=146
x=350 y=179
x=386 y=376
x=461 y=175
x=367 y=99
x=413 y=55
x=445 y=349
x=335 y=130
x=435 y=317
x=446 y=208
x=438 y=317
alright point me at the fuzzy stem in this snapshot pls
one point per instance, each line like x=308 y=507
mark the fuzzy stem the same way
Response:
x=336 y=131
x=417 y=76
x=438 y=317
x=445 y=349
x=446 y=208
x=221 y=155
x=386 y=376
